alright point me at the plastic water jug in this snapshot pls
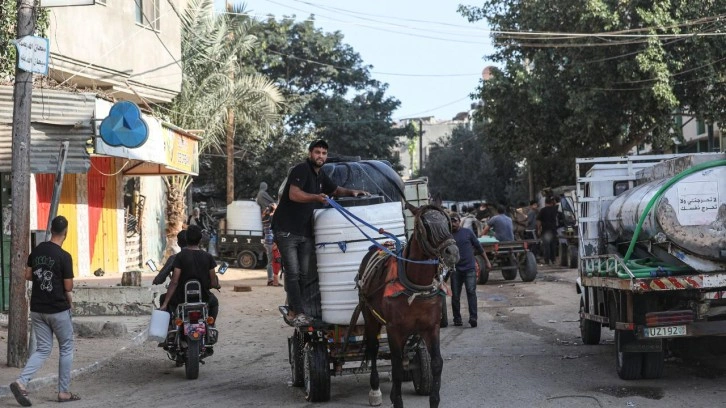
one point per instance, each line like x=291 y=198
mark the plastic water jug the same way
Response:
x=159 y=325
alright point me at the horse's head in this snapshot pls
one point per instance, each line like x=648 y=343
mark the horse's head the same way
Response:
x=433 y=233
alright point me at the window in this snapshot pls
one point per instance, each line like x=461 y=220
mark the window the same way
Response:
x=147 y=13
x=101 y=2
x=700 y=127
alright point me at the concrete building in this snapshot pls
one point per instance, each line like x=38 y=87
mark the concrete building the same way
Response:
x=113 y=51
x=410 y=150
x=126 y=48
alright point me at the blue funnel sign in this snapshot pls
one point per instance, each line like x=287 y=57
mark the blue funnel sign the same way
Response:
x=124 y=126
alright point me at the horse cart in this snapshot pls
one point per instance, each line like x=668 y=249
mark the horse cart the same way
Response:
x=378 y=302
x=511 y=257
x=318 y=352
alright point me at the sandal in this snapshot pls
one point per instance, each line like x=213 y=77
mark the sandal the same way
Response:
x=73 y=397
x=21 y=395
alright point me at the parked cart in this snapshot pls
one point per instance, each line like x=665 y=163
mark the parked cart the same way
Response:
x=510 y=257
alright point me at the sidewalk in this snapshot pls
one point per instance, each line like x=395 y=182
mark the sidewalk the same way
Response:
x=97 y=338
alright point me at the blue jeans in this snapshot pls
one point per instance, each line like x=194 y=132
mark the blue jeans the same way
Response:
x=44 y=326
x=467 y=279
x=296 y=251
x=268 y=249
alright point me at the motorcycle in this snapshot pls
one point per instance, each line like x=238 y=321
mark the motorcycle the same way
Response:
x=191 y=330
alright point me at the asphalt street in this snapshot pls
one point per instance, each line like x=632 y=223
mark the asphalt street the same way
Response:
x=526 y=352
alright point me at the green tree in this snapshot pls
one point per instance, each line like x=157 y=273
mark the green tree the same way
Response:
x=461 y=168
x=216 y=90
x=330 y=90
x=557 y=97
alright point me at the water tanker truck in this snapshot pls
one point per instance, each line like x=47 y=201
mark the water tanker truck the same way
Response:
x=652 y=255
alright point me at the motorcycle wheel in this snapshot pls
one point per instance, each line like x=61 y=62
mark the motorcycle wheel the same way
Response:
x=192 y=364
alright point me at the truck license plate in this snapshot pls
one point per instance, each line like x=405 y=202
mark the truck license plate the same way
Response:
x=665 y=331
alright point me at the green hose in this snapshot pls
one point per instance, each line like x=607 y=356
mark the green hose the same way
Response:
x=646 y=268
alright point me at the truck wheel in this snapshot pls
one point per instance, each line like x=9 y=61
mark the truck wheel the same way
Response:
x=653 y=364
x=317 y=372
x=510 y=268
x=246 y=260
x=529 y=271
x=628 y=365
x=295 y=351
x=483 y=271
x=421 y=371
x=589 y=330
x=573 y=255
x=563 y=256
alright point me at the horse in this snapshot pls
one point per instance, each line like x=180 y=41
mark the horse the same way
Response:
x=409 y=304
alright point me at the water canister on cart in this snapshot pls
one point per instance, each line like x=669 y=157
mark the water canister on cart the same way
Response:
x=340 y=248
x=417 y=193
x=245 y=217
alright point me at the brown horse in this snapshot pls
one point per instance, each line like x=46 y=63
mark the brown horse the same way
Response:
x=409 y=305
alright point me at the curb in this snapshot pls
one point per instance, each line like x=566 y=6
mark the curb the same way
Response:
x=41 y=382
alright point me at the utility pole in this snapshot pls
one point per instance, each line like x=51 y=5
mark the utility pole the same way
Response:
x=420 y=146
x=20 y=225
x=230 y=136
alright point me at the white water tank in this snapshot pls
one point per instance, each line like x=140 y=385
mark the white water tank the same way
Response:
x=244 y=217
x=340 y=248
x=416 y=192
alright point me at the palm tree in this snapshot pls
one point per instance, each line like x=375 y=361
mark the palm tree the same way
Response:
x=216 y=94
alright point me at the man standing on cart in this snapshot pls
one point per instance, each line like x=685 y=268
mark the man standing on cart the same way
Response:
x=306 y=188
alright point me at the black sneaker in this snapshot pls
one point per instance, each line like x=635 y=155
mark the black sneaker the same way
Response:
x=472 y=323
x=458 y=323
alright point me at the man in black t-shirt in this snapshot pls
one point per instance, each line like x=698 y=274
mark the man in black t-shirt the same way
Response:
x=547 y=229
x=50 y=268
x=189 y=264
x=306 y=188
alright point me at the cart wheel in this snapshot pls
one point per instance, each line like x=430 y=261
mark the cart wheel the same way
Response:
x=317 y=372
x=483 y=271
x=572 y=252
x=246 y=260
x=589 y=330
x=529 y=271
x=628 y=364
x=653 y=364
x=563 y=255
x=421 y=370
x=295 y=351
x=510 y=268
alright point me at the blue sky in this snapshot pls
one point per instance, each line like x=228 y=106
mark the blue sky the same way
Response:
x=437 y=55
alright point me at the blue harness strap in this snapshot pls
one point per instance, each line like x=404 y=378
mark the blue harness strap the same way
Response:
x=350 y=217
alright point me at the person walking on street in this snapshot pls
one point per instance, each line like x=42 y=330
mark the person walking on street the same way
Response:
x=530 y=231
x=465 y=272
x=502 y=225
x=50 y=268
x=306 y=188
x=264 y=199
x=267 y=216
x=547 y=229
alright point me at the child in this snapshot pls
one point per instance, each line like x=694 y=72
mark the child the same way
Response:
x=276 y=265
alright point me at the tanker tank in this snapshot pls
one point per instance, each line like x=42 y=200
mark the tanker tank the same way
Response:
x=691 y=214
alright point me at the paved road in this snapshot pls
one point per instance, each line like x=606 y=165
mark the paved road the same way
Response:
x=526 y=352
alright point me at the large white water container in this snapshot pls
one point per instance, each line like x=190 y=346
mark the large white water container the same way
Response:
x=340 y=248
x=245 y=217
x=416 y=192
